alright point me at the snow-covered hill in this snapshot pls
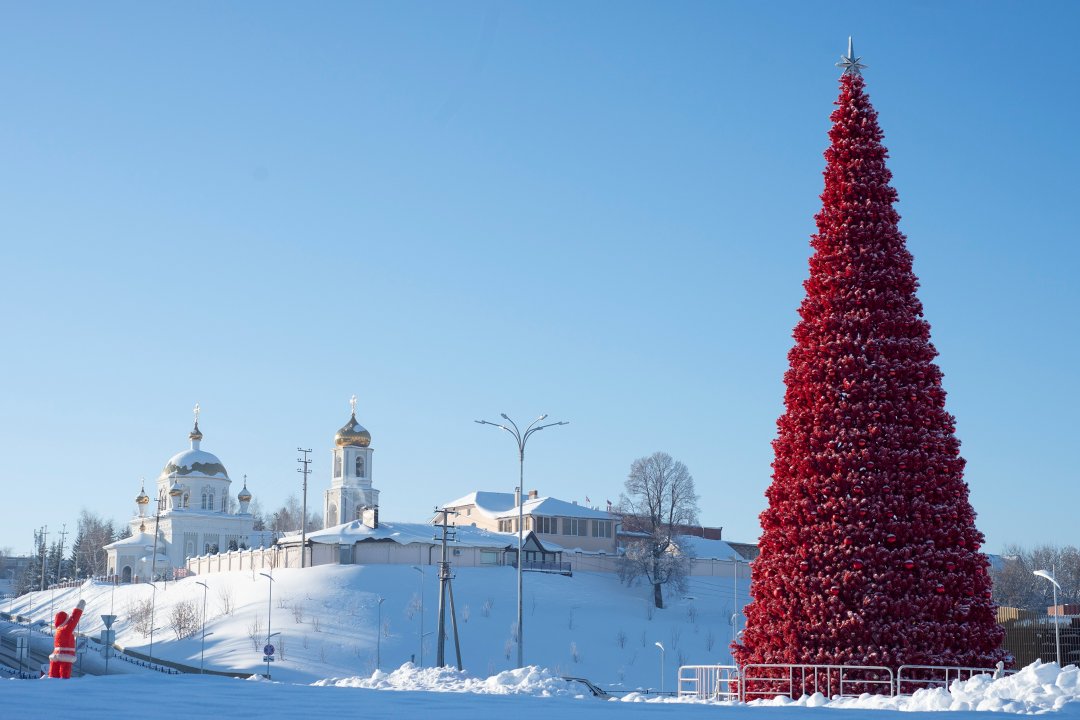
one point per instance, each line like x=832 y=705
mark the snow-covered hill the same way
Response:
x=587 y=625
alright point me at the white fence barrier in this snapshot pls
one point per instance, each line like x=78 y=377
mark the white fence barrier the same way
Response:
x=764 y=680
x=709 y=682
x=910 y=678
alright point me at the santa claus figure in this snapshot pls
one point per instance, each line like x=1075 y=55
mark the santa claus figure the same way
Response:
x=63 y=654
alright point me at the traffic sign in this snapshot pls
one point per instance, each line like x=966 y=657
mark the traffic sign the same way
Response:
x=268 y=658
x=268 y=649
x=108 y=620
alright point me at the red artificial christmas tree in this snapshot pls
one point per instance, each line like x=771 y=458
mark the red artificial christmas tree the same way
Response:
x=869 y=552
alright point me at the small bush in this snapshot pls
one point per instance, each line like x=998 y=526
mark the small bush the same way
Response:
x=184 y=619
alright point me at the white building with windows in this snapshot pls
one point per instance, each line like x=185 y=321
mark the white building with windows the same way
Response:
x=191 y=513
x=556 y=522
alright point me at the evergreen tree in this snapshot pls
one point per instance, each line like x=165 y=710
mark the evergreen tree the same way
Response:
x=869 y=552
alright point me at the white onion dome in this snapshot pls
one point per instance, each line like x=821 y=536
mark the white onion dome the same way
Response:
x=352 y=434
x=194 y=462
x=175 y=490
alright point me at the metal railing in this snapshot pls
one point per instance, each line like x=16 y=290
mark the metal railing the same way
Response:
x=709 y=682
x=762 y=680
x=910 y=678
x=767 y=680
x=563 y=568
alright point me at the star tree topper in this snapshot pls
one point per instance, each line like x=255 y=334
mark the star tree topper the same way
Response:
x=849 y=62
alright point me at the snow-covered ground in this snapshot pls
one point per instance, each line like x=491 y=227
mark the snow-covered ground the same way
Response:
x=588 y=625
x=529 y=694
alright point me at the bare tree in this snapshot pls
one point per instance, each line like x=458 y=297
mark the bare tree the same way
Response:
x=287 y=517
x=88 y=555
x=658 y=498
x=1016 y=585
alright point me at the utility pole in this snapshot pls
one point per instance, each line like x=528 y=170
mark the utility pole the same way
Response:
x=60 y=556
x=303 y=512
x=44 y=535
x=445 y=577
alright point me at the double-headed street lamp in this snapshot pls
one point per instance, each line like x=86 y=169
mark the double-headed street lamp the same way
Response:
x=1057 y=633
x=521 y=438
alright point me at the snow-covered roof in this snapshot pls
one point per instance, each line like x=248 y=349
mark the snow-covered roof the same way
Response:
x=195 y=463
x=709 y=549
x=487 y=503
x=405 y=534
x=550 y=506
x=136 y=540
x=501 y=505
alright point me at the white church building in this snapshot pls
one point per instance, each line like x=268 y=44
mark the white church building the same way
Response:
x=190 y=514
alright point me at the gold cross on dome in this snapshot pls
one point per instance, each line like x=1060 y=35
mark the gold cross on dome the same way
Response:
x=352 y=403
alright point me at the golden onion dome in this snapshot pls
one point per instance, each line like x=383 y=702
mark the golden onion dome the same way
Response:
x=352 y=434
x=176 y=490
x=195 y=434
x=142 y=498
x=245 y=495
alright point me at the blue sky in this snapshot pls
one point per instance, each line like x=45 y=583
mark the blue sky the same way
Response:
x=596 y=210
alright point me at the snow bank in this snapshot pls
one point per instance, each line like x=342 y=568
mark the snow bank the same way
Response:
x=1037 y=688
x=524 y=681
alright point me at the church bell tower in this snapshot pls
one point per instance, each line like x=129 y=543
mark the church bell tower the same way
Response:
x=351 y=496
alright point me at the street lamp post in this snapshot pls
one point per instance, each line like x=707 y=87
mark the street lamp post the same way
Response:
x=269 y=608
x=202 y=650
x=737 y=610
x=1057 y=633
x=153 y=611
x=421 y=571
x=662 y=654
x=378 y=637
x=521 y=438
x=11 y=596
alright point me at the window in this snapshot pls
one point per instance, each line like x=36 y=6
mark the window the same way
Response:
x=337 y=465
x=207 y=498
x=359 y=466
x=575 y=526
x=506 y=526
x=489 y=558
x=601 y=528
x=547 y=525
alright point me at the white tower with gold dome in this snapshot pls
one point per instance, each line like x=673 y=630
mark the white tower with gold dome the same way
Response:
x=351 y=496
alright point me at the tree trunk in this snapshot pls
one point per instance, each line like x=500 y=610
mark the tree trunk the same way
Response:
x=658 y=596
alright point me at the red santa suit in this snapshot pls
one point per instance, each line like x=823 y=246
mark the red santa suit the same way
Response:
x=63 y=654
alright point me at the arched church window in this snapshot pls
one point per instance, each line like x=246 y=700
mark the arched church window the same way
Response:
x=337 y=465
x=331 y=515
x=360 y=466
